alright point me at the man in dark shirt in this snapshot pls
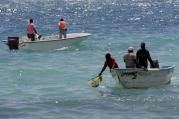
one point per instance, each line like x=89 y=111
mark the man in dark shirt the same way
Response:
x=142 y=56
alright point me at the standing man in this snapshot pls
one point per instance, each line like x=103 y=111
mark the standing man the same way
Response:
x=62 y=24
x=31 y=30
x=110 y=62
x=142 y=56
x=130 y=58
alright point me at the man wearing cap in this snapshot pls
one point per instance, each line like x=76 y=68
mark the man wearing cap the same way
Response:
x=130 y=58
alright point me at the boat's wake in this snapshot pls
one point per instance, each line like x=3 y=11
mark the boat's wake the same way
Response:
x=61 y=49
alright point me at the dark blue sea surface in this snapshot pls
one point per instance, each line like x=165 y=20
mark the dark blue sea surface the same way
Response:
x=54 y=84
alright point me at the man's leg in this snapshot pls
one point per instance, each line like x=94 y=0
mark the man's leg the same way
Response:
x=31 y=36
x=60 y=36
x=65 y=33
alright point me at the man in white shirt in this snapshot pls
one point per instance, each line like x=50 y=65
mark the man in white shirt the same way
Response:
x=130 y=58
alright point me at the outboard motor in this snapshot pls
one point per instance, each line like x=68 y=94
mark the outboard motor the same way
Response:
x=156 y=64
x=13 y=43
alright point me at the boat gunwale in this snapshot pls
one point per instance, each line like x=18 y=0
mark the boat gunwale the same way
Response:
x=87 y=34
x=142 y=69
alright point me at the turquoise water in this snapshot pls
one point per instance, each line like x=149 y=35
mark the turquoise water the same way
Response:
x=54 y=84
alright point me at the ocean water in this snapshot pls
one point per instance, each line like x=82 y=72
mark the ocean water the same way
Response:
x=54 y=84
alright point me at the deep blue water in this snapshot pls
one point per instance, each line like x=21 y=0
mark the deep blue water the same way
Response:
x=53 y=85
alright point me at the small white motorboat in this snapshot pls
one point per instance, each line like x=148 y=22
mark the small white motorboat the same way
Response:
x=46 y=43
x=140 y=78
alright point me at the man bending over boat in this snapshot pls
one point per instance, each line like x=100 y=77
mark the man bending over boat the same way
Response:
x=143 y=56
x=130 y=58
x=110 y=62
x=31 y=30
x=62 y=24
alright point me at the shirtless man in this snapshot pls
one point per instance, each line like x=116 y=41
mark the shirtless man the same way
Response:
x=31 y=30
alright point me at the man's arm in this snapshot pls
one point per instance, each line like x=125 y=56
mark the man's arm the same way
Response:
x=124 y=58
x=34 y=29
x=137 y=60
x=150 y=60
x=104 y=67
x=137 y=57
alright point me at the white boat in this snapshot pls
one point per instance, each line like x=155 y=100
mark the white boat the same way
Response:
x=50 y=42
x=140 y=78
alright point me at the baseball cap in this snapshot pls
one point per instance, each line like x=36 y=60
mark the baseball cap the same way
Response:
x=130 y=49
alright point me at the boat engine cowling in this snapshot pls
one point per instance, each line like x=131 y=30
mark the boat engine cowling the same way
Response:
x=155 y=63
x=13 y=43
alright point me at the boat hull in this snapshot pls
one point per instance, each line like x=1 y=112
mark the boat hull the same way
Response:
x=52 y=42
x=140 y=78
